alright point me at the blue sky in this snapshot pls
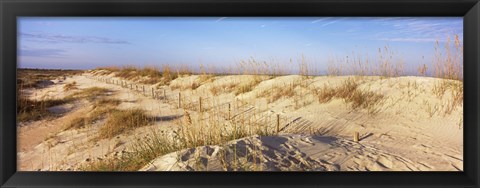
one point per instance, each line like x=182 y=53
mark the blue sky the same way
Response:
x=86 y=43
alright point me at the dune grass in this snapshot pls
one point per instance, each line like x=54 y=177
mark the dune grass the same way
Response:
x=32 y=110
x=350 y=93
x=277 y=92
x=197 y=131
x=28 y=109
x=100 y=109
x=120 y=121
x=194 y=131
x=70 y=86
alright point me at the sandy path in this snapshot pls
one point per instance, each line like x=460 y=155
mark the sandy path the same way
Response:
x=43 y=142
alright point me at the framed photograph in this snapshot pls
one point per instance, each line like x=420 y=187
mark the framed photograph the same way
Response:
x=230 y=93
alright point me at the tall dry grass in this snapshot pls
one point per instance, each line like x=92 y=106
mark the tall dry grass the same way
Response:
x=448 y=65
x=120 y=121
x=351 y=94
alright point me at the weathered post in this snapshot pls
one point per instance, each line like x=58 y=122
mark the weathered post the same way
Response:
x=229 y=111
x=200 y=103
x=355 y=137
x=164 y=95
x=179 y=100
x=143 y=90
x=153 y=93
x=278 y=123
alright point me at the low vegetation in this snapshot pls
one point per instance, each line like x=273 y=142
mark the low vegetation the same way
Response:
x=120 y=121
x=70 y=86
x=31 y=110
x=100 y=109
x=349 y=92
x=277 y=92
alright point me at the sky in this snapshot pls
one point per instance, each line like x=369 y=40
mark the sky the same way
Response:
x=90 y=42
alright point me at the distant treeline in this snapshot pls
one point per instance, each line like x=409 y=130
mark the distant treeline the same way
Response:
x=39 y=69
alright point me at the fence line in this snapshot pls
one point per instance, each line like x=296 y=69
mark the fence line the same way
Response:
x=232 y=111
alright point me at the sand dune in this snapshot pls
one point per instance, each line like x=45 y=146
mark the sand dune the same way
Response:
x=408 y=129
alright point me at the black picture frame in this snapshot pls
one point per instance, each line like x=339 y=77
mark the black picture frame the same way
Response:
x=10 y=10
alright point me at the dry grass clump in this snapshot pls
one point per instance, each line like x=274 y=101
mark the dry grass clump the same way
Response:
x=119 y=121
x=143 y=152
x=223 y=88
x=351 y=94
x=127 y=72
x=78 y=122
x=247 y=87
x=304 y=70
x=387 y=64
x=107 y=102
x=34 y=110
x=193 y=132
x=277 y=92
x=28 y=110
x=145 y=75
x=101 y=107
x=253 y=67
x=454 y=91
x=448 y=63
x=422 y=70
x=167 y=75
x=28 y=78
x=70 y=86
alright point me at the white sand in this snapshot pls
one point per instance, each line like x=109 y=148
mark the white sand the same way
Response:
x=401 y=136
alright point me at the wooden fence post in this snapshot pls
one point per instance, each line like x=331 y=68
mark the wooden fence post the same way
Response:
x=153 y=93
x=278 y=123
x=200 y=103
x=355 y=137
x=229 y=111
x=143 y=90
x=164 y=95
x=179 y=100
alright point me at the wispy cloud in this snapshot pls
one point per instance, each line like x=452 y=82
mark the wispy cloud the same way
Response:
x=53 y=38
x=409 y=39
x=418 y=30
x=328 y=23
x=321 y=19
x=42 y=53
x=220 y=19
